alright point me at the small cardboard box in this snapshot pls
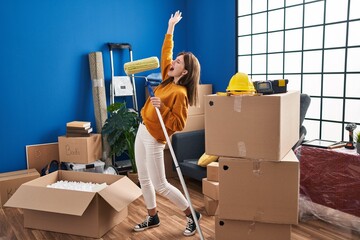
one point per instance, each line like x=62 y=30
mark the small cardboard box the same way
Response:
x=226 y=229
x=264 y=191
x=89 y=214
x=211 y=205
x=212 y=171
x=259 y=127
x=80 y=149
x=210 y=188
x=11 y=181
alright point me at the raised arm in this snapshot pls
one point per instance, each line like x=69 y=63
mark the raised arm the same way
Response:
x=174 y=19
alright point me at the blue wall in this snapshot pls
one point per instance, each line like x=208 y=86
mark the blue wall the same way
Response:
x=44 y=46
x=211 y=36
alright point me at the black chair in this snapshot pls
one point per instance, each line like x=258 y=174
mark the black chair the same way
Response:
x=305 y=101
x=188 y=148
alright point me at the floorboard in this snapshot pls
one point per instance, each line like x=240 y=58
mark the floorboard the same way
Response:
x=172 y=223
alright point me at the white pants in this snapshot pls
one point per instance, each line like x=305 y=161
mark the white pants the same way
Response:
x=149 y=156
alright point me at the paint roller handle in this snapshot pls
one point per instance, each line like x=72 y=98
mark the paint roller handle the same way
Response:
x=151 y=91
x=119 y=46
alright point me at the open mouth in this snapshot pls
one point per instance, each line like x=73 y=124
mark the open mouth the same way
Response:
x=171 y=69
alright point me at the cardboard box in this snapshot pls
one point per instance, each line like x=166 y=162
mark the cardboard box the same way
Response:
x=80 y=149
x=11 y=181
x=235 y=229
x=194 y=122
x=264 y=191
x=204 y=89
x=259 y=127
x=210 y=188
x=211 y=205
x=212 y=171
x=89 y=214
x=40 y=155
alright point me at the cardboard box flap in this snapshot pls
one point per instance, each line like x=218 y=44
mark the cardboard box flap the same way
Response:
x=50 y=200
x=121 y=193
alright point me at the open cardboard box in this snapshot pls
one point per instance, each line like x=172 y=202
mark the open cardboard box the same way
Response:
x=89 y=214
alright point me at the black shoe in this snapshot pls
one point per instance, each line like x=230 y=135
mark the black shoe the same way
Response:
x=191 y=226
x=150 y=221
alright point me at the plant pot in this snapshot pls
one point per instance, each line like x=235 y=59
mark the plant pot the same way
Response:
x=133 y=177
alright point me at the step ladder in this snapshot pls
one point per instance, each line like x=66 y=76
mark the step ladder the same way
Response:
x=122 y=86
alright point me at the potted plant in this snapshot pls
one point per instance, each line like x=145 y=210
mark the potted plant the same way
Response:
x=357 y=140
x=120 y=130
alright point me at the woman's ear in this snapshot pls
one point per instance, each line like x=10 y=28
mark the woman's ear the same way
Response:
x=184 y=72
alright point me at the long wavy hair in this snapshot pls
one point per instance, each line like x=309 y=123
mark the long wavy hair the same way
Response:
x=191 y=79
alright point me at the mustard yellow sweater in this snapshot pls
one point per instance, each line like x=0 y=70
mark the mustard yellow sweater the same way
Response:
x=174 y=107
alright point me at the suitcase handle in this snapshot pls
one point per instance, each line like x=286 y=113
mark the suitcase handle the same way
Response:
x=119 y=46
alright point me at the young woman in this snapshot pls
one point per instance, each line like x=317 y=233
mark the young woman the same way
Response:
x=173 y=96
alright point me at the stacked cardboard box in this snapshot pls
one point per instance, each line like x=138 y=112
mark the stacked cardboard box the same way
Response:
x=211 y=188
x=80 y=149
x=258 y=171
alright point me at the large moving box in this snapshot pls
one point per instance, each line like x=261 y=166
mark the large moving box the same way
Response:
x=89 y=214
x=194 y=122
x=262 y=191
x=235 y=229
x=80 y=149
x=11 y=181
x=259 y=127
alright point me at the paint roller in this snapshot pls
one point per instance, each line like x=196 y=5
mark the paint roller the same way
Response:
x=147 y=64
x=141 y=65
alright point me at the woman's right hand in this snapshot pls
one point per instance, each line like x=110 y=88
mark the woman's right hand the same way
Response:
x=175 y=18
x=156 y=102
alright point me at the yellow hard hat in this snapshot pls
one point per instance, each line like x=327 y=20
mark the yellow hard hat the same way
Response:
x=240 y=82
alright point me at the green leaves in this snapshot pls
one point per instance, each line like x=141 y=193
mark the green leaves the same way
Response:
x=120 y=129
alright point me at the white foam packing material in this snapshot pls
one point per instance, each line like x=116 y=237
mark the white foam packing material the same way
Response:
x=78 y=186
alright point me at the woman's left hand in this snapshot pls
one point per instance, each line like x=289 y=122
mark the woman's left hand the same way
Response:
x=156 y=102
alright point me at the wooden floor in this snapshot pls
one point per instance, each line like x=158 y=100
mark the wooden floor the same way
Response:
x=172 y=224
